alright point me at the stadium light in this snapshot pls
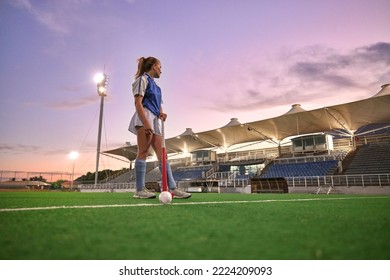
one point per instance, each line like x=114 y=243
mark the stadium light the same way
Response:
x=73 y=156
x=101 y=80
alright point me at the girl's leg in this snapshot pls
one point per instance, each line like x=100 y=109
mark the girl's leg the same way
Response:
x=171 y=180
x=157 y=147
x=156 y=144
x=143 y=143
x=140 y=172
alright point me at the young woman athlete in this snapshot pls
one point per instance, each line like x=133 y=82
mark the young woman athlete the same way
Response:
x=146 y=125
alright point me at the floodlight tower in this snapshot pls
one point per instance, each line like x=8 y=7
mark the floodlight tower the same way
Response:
x=101 y=80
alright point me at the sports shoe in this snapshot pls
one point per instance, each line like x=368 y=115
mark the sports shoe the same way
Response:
x=180 y=194
x=144 y=193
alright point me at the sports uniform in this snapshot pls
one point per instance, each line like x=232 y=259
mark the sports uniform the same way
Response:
x=152 y=99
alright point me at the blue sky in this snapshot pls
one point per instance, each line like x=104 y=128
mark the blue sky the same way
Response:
x=248 y=59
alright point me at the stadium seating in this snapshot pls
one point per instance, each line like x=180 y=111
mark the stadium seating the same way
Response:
x=191 y=173
x=302 y=169
x=373 y=158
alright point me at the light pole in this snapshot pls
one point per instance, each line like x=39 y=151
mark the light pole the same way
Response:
x=101 y=80
x=73 y=156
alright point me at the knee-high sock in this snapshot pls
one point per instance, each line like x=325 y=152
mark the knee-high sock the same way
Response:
x=140 y=172
x=171 y=180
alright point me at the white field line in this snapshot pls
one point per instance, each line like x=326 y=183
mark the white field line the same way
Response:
x=186 y=203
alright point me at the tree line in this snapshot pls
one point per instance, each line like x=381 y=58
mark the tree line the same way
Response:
x=88 y=178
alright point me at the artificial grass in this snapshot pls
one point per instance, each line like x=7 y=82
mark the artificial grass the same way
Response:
x=356 y=228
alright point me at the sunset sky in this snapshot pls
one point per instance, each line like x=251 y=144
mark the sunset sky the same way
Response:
x=221 y=59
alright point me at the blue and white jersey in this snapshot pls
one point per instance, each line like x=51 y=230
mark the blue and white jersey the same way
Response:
x=152 y=98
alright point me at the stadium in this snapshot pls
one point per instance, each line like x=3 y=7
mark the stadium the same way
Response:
x=341 y=149
x=306 y=185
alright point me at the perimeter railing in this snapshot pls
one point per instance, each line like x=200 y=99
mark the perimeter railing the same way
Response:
x=109 y=187
x=363 y=180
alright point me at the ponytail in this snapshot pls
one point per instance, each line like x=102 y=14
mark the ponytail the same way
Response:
x=144 y=65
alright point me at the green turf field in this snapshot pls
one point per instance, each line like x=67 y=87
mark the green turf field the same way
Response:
x=205 y=227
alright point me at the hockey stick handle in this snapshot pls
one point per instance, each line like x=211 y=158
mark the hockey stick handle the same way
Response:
x=163 y=159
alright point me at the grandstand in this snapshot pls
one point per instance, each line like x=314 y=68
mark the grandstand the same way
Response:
x=335 y=147
x=371 y=158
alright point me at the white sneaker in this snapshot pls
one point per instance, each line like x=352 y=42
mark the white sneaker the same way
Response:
x=144 y=193
x=180 y=194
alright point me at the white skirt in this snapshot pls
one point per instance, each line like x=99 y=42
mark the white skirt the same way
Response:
x=153 y=120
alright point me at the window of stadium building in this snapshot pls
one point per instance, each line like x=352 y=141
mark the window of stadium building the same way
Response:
x=250 y=170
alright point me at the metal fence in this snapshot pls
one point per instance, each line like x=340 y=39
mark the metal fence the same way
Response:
x=108 y=187
x=364 y=180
